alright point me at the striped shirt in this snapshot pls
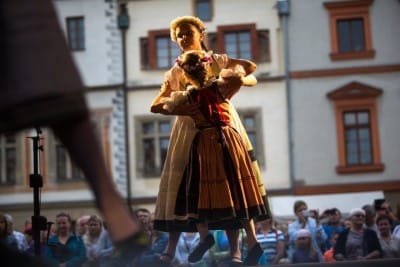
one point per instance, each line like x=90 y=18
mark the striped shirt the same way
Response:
x=269 y=243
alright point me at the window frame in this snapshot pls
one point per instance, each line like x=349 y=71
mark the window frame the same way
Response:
x=17 y=145
x=100 y=119
x=353 y=97
x=152 y=48
x=211 y=9
x=140 y=136
x=251 y=28
x=79 y=46
x=216 y=41
x=346 y=11
x=259 y=145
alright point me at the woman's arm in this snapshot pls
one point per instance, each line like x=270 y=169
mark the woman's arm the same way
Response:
x=157 y=106
x=246 y=67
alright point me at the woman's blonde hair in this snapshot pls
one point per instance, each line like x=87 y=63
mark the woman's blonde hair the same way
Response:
x=185 y=19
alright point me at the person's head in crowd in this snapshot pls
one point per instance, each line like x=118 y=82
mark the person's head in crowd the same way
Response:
x=347 y=223
x=334 y=216
x=381 y=206
x=28 y=234
x=63 y=223
x=28 y=222
x=143 y=216
x=334 y=237
x=10 y=223
x=384 y=224
x=3 y=226
x=300 y=209
x=303 y=239
x=95 y=226
x=370 y=215
x=266 y=224
x=82 y=225
x=357 y=217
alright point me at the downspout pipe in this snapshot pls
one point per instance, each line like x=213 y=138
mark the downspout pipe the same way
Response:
x=284 y=12
x=123 y=24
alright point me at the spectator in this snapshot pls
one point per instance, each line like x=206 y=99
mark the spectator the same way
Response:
x=333 y=224
x=370 y=217
x=328 y=255
x=91 y=238
x=396 y=231
x=5 y=237
x=304 y=221
x=65 y=248
x=159 y=240
x=347 y=223
x=144 y=217
x=186 y=244
x=81 y=226
x=390 y=245
x=357 y=243
x=272 y=241
x=382 y=207
x=20 y=237
x=106 y=253
x=304 y=250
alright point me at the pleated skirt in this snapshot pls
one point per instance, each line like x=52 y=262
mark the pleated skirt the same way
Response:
x=218 y=185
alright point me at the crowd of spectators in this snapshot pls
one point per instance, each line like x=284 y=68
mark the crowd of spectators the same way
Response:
x=368 y=232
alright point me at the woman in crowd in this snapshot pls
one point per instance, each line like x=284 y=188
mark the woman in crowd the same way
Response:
x=305 y=251
x=5 y=237
x=91 y=238
x=189 y=34
x=357 y=243
x=390 y=244
x=304 y=221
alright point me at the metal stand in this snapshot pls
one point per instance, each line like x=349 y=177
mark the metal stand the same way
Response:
x=39 y=223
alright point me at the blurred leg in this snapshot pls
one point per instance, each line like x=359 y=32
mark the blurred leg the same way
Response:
x=82 y=144
x=233 y=238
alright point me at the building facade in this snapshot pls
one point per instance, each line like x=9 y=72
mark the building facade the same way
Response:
x=322 y=118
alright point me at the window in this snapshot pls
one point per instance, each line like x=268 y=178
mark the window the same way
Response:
x=350 y=30
x=357 y=128
x=66 y=170
x=76 y=33
x=153 y=146
x=158 y=51
x=203 y=9
x=8 y=159
x=60 y=167
x=357 y=133
x=241 y=41
x=252 y=123
x=237 y=44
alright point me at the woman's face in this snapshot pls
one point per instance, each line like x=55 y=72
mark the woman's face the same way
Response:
x=303 y=242
x=188 y=37
x=94 y=228
x=358 y=219
x=384 y=226
x=299 y=212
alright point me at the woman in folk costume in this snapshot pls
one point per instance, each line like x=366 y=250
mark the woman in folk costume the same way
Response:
x=189 y=33
x=219 y=186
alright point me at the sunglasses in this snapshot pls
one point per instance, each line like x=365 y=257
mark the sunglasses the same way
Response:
x=359 y=215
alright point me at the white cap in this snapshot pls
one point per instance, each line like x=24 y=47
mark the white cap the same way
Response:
x=303 y=233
